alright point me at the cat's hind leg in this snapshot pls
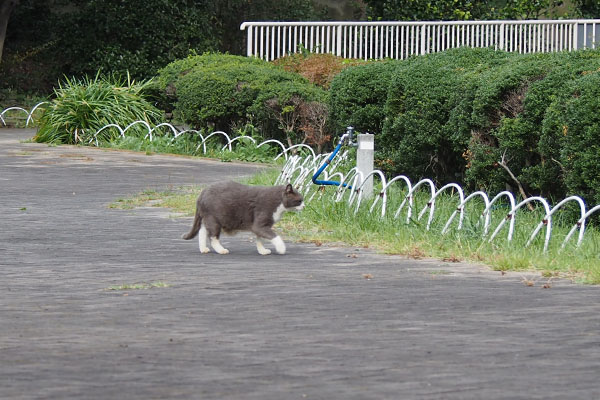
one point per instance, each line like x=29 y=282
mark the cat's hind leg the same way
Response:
x=202 y=240
x=216 y=245
x=261 y=247
x=213 y=229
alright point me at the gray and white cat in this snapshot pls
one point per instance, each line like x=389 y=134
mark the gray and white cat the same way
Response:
x=232 y=207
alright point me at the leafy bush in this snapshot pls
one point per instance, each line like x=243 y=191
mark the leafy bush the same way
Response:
x=487 y=119
x=427 y=119
x=81 y=107
x=425 y=10
x=572 y=130
x=165 y=84
x=509 y=124
x=503 y=124
x=221 y=92
x=358 y=95
x=50 y=39
x=283 y=106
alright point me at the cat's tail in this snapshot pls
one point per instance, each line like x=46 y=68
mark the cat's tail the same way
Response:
x=195 y=226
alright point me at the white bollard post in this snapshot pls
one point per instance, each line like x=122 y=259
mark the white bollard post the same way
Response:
x=365 y=156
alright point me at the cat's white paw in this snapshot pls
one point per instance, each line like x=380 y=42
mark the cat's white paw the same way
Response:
x=264 y=252
x=204 y=250
x=261 y=248
x=279 y=245
x=223 y=251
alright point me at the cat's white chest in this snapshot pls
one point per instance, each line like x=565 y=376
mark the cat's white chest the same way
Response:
x=278 y=213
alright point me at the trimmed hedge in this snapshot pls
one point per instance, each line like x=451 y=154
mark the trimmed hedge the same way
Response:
x=358 y=95
x=428 y=113
x=220 y=92
x=460 y=115
x=518 y=114
x=166 y=83
x=571 y=134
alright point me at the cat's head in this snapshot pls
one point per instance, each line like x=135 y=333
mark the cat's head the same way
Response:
x=292 y=199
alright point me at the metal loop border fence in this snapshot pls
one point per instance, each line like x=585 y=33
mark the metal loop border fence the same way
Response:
x=28 y=114
x=299 y=170
x=283 y=150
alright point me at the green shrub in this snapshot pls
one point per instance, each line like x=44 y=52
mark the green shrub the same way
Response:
x=480 y=117
x=282 y=106
x=50 y=39
x=132 y=36
x=165 y=84
x=573 y=128
x=222 y=92
x=358 y=95
x=509 y=111
x=428 y=113
x=81 y=107
x=503 y=123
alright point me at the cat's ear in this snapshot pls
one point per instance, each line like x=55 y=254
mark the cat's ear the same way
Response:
x=289 y=189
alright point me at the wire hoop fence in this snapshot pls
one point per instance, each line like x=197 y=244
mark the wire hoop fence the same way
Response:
x=18 y=114
x=504 y=208
x=302 y=163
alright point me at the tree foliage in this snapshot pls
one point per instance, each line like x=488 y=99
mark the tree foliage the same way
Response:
x=425 y=10
x=6 y=7
x=587 y=8
x=135 y=36
x=50 y=39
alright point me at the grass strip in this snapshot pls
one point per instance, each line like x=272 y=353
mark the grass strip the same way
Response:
x=326 y=221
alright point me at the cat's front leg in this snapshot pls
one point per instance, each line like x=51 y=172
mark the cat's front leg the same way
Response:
x=261 y=247
x=268 y=233
x=279 y=245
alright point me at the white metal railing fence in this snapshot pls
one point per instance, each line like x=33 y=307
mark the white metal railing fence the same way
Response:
x=401 y=39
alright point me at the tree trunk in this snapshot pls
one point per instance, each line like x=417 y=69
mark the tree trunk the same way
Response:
x=6 y=7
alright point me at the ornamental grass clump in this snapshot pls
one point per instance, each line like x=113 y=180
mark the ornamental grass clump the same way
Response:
x=82 y=107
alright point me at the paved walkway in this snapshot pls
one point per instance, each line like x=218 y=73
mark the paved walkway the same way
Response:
x=242 y=326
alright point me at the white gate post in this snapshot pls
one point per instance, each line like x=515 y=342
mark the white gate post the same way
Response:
x=364 y=161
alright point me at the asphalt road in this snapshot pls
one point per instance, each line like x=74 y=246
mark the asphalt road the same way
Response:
x=306 y=325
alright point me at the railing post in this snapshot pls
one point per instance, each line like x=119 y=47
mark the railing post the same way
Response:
x=365 y=160
x=422 y=40
x=250 y=41
x=338 y=50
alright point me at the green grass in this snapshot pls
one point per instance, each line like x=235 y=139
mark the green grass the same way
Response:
x=325 y=221
x=188 y=144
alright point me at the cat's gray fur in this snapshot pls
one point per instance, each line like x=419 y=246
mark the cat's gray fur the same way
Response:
x=230 y=207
